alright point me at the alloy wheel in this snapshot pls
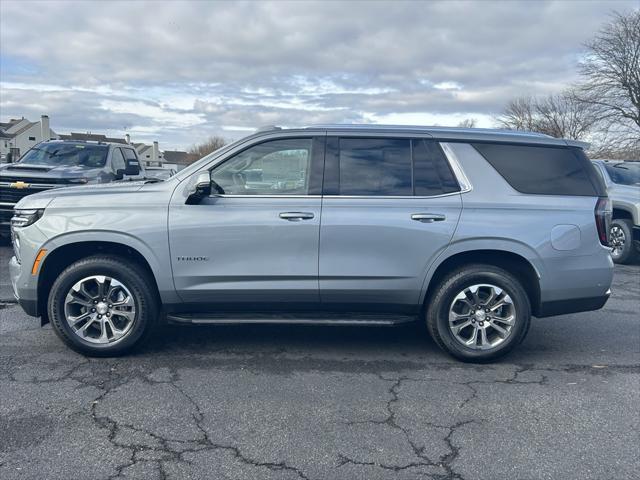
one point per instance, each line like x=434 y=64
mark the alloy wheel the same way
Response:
x=100 y=309
x=482 y=316
x=617 y=241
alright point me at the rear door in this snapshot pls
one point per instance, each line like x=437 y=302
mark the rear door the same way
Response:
x=255 y=242
x=391 y=205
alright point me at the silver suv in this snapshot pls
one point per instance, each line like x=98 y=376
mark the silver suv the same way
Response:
x=470 y=231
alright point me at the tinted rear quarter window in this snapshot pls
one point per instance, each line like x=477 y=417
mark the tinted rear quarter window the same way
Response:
x=543 y=170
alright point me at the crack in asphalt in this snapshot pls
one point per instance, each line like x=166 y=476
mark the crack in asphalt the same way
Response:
x=169 y=454
x=443 y=461
x=106 y=375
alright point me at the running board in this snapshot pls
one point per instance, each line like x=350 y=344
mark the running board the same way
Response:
x=306 y=318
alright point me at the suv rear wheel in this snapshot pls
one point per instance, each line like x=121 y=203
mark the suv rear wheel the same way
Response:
x=479 y=313
x=102 y=305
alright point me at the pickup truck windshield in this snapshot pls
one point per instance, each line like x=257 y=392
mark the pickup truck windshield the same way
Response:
x=70 y=154
x=624 y=173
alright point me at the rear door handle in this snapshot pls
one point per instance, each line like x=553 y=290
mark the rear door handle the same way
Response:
x=428 y=217
x=296 y=216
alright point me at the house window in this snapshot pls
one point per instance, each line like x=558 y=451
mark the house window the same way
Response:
x=33 y=139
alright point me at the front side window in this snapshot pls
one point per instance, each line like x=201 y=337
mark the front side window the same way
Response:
x=279 y=167
x=117 y=160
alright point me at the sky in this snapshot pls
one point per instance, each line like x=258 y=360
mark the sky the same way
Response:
x=179 y=72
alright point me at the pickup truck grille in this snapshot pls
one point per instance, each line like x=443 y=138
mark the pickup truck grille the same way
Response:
x=5 y=216
x=12 y=195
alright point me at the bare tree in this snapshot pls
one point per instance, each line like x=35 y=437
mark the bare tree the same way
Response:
x=518 y=114
x=210 y=145
x=468 y=123
x=561 y=116
x=611 y=72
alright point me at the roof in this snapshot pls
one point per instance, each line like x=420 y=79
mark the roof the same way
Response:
x=92 y=137
x=61 y=140
x=176 y=156
x=441 y=133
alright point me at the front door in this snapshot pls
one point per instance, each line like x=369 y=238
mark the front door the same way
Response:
x=391 y=206
x=255 y=242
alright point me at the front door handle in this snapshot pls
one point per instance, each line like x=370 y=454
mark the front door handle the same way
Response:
x=296 y=216
x=428 y=217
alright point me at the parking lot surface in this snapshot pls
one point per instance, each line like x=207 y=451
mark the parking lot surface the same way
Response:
x=283 y=402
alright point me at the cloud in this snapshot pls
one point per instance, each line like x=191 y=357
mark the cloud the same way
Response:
x=181 y=70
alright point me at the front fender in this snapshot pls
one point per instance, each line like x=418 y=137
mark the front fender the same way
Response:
x=155 y=252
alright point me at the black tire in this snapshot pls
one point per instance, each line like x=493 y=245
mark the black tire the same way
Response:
x=136 y=280
x=437 y=315
x=627 y=252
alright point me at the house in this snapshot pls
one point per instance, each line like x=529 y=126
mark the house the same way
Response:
x=19 y=135
x=149 y=155
x=178 y=160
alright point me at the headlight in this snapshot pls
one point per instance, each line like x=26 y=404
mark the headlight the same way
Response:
x=24 y=218
x=78 y=180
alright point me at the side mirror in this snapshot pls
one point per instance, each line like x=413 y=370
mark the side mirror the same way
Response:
x=200 y=187
x=133 y=168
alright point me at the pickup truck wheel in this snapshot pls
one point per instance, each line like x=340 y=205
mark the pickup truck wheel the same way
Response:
x=479 y=313
x=621 y=240
x=102 y=305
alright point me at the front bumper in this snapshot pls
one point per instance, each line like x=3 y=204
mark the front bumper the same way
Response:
x=25 y=297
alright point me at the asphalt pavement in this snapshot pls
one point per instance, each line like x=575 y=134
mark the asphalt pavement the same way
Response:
x=284 y=402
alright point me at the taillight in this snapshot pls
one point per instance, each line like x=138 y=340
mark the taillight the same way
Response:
x=603 y=212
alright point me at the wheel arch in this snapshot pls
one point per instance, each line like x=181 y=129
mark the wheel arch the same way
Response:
x=63 y=255
x=515 y=263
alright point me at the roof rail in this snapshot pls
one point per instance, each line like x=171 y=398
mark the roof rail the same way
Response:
x=268 y=128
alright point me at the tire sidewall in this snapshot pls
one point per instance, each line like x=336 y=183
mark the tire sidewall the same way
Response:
x=128 y=276
x=458 y=283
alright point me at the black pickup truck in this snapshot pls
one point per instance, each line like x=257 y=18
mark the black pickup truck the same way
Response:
x=64 y=163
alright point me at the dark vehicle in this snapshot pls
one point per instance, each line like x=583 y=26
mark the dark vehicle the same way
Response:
x=62 y=163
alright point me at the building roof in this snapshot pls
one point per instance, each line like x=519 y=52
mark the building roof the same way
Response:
x=92 y=137
x=176 y=156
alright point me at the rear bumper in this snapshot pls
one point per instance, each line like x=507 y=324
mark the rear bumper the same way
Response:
x=575 y=305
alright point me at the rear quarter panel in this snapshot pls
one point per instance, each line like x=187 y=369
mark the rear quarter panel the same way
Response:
x=556 y=234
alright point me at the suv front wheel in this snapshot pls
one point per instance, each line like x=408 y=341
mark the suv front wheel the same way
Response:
x=102 y=305
x=479 y=313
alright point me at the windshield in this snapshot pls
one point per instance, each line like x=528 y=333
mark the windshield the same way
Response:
x=67 y=154
x=626 y=173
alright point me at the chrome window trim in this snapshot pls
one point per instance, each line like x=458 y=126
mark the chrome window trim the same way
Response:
x=452 y=158
x=227 y=195
x=400 y=197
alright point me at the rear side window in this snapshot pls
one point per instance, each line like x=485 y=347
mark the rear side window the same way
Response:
x=375 y=166
x=543 y=170
x=393 y=167
x=431 y=172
